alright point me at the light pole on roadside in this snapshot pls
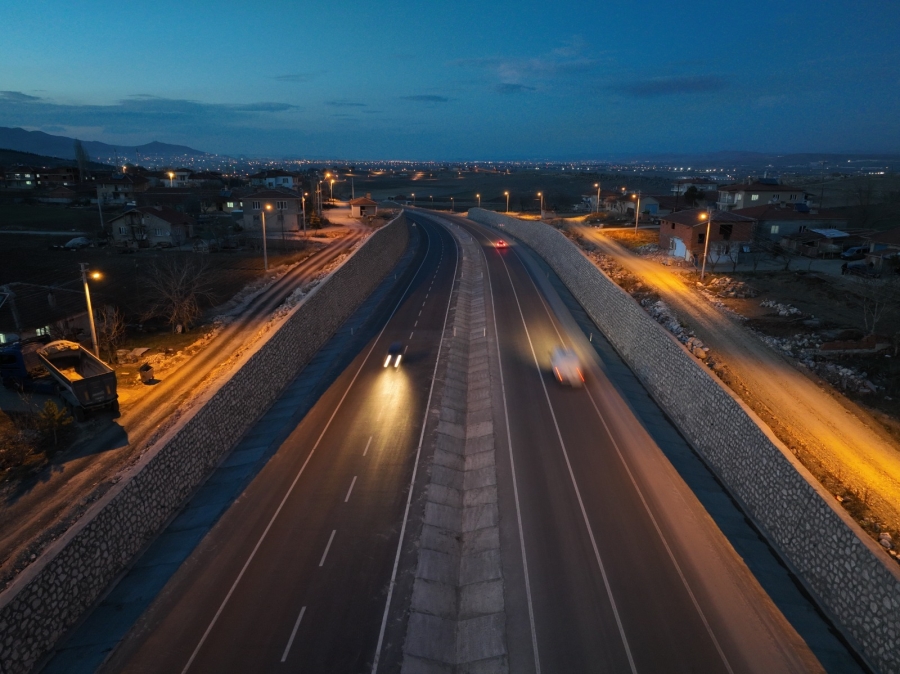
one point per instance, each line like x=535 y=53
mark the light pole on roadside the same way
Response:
x=171 y=179
x=331 y=182
x=708 y=216
x=432 y=200
x=597 y=185
x=507 y=202
x=451 y=204
x=87 y=297
x=266 y=207
x=414 y=198
x=541 y=195
x=637 y=210
x=478 y=196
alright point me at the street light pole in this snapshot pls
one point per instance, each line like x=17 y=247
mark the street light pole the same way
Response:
x=171 y=180
x=478 y=196
x=706 y=242
x=507 y=202
x=541 y=195
x=597 y=185
x=266 y=207
x=303 y=206
x=87 y=297
x=414 y=198
x=637 y=211
x=451 y=204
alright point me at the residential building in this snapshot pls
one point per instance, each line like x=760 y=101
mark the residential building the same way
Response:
x=363 y=207
x=758 y=193
x=58 y=175
x=275 y=178
x=781 y=219
x=37 y=310
x=882 y=246
x=704 y=185
x=285 y=212
x=683 y=234
x=120 y=188
x=21 y=178
x=151 y=226
x=822 y=242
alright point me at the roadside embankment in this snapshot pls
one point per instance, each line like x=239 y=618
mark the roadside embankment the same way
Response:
x=850 y=576
x=457 y=618
x=50 y=596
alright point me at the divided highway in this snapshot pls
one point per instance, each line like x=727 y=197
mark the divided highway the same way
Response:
x=612 y=565
x=296 y=574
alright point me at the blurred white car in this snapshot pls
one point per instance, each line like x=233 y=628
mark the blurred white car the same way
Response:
x=566 y=367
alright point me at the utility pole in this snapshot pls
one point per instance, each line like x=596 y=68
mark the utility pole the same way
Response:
x=637 y=211
x=87 y=297
x=11 y=296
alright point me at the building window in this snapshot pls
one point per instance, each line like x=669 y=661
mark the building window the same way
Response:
x=123 y=230
x=281 y=205
x=754 y=197
x=40 y=332
x=725 y=231
x=673 y=225
x=802 y=229
x=230 y=204
x=701 y=237
x=774 y=229
x=158 y=231
x=255 y=205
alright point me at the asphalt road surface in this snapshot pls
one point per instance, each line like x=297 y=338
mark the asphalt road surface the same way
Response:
x=295 y=575
x=613 y=565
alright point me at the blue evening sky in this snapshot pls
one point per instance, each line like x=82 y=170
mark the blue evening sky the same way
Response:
x=458 y=80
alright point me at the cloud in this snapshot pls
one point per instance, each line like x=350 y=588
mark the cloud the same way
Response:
x=345 y=104
x=509 y=88
x=672 y=86
x=264 y=107
x=296 y=77
x=17 y=96
x=426 y=98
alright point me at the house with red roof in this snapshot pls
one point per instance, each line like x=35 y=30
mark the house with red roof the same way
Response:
x=363 y=207
x=151 y=226
x=759 y=193
x=683 y=234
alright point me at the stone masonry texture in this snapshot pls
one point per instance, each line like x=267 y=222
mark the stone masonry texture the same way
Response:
x=54 y=592
x=851 y=578
x=457 y=620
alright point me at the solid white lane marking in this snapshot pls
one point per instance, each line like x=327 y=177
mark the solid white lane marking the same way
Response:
x=512 y=465
x=640 y=493
x=287 y=648
x=367 y=445
x=350 y=491
x=278 y=510
x=412 y=481
x=562 y=444
x=328 y=547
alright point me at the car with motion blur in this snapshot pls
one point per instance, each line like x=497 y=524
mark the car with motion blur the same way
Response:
x=566 y=367
x=394 y=354
x=501 y=244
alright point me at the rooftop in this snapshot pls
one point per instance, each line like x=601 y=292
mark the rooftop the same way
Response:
x=697 y=216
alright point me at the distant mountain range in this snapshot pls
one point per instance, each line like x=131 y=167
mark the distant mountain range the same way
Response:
x=38 y=142
x=14 y=157
x=761 y=159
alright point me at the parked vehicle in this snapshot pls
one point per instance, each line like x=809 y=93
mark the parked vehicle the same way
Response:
x=22 y=370
x=85 y=382
x=854 y=253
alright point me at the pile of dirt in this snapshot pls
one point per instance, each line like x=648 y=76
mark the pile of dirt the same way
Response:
x=725 y=286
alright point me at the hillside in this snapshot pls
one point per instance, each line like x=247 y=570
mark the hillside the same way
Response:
x=41 y=143
x=13 y=157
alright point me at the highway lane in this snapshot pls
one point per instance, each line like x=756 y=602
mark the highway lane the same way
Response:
x=296 y=573
x=626 y=570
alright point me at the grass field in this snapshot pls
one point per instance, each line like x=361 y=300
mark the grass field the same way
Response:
x=48 y=218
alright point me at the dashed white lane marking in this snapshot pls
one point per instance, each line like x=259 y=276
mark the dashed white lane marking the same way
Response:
x=327 y=547
x=349 y=491
x=410 y=335
x=416 y=324
x=367 y=445
x=287 y=648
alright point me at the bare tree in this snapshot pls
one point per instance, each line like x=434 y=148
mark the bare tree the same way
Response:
x=81 y=156
x=878 y=295
x=110 y=330
x=175 y=286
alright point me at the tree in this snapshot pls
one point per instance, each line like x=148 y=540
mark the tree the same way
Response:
x=53 y=420
x=175 y=287
x=878 y=295
x=81 y=156
x=110 y=330
x=692 y=195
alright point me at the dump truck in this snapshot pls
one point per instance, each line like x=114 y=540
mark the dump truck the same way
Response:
x=22 y=370
x=85 y=382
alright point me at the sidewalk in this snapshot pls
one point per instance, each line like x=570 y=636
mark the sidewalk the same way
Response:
x=830 y=434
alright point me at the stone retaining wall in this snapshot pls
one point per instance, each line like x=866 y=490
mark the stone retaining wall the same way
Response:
x=851 y=578
x=457 y=619
x=51 y=595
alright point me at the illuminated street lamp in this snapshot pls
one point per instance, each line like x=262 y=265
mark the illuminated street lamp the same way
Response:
x=507 y=202
x=171 y=179
x=331 y=182
x=597 y=185
x=541 y=195
x=637 y=209
x=451 y=204
x=266 y=207
x=478 y=196
x=708 y=216
x=303 y=206
x=414 y=198
x=87 y=296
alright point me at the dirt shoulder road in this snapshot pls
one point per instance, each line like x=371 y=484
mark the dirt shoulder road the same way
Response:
x=840 y=442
